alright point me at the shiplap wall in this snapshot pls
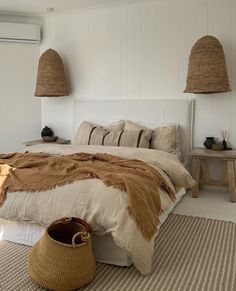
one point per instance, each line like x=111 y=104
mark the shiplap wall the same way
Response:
x=141 y=50
x=20 y=112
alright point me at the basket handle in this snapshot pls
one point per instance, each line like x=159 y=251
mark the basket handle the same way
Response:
x=84 y=237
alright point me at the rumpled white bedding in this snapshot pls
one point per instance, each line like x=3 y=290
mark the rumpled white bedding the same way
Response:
x=105 y=208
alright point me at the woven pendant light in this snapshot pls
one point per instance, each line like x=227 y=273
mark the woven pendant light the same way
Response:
x=207 y=71
x=51 y=80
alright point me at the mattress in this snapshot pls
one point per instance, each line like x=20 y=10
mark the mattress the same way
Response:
x=105 y=250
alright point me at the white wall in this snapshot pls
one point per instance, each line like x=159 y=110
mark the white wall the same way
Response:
x=20 y=112
x=140 y=50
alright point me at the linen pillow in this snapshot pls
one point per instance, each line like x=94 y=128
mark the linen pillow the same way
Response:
x=115 y=125
x=130 y=138
x=84 y=134
x=130 y=125
x=89 y=134
x=165 y=138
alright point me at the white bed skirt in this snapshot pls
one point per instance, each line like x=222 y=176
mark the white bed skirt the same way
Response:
x=105 y=250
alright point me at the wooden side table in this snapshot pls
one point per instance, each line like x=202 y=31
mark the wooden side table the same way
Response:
x=40 y=141
x=201 y=173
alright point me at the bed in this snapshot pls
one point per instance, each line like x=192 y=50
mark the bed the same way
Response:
x=22 y=229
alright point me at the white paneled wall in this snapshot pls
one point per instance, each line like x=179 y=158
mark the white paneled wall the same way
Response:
x=20 y=112
x=140 y=50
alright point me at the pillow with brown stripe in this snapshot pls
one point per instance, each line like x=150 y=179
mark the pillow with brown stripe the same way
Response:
x=165 y=138
x=129 y=138
x=91 y=133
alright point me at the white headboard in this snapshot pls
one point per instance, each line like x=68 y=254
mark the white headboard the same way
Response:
x=148 y=111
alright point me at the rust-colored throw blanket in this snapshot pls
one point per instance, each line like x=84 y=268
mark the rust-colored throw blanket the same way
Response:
x=40 y=172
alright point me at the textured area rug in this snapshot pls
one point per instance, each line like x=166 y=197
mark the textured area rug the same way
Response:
x=191 y=254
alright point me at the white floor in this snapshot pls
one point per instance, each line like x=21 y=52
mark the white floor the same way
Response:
x=211 y=203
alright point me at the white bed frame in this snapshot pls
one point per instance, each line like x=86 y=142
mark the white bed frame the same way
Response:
x=148 y=111
x=156 y=111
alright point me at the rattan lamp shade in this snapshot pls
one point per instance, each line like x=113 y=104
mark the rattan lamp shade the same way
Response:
x=207 y=72
x=51 y=80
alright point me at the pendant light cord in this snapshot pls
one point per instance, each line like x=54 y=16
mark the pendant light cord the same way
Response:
x=50 y=10
x=207 y=22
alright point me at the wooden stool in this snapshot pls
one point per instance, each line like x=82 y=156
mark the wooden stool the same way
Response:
x=201 y=173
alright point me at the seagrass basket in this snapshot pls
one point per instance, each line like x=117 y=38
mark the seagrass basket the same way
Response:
x=62 y=259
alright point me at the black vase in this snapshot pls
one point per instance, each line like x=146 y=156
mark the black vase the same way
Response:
x=47 y=131
x=209 y=142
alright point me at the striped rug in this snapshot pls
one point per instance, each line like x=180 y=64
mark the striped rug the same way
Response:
x=192 y=254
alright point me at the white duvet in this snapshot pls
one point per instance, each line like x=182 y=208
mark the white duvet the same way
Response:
x=105 y=208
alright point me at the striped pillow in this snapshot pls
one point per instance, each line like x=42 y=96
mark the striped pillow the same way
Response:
x=165 y=137
x=131 y=138
x=89 y=134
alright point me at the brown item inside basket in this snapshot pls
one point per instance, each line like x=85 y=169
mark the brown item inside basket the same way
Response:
x=64 y=231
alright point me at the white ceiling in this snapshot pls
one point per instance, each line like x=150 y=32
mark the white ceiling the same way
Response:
x=38 y=7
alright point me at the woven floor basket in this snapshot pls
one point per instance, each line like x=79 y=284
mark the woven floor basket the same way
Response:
x=207 y=72
x=62 y=259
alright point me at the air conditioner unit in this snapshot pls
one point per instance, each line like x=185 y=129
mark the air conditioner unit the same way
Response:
x=18 y=32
